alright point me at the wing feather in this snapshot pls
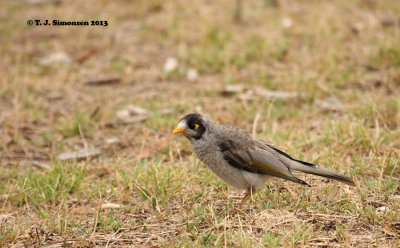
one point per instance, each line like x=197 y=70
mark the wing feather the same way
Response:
x=255 y=160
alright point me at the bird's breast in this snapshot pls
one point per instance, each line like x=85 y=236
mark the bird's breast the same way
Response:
x=214 y=160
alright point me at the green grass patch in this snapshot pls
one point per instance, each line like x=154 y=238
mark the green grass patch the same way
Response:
x=45 y=190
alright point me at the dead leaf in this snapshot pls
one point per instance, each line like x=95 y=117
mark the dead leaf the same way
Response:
x=110 y=205
x=134 y=119
x=382 y=209
x=388 y=21
x=86 y=56
x=330 y=104
x=4 y=216
x=4 y=196
x=280 y=95
x=357 y=27
x=132 y=114
x=396 y=226
x=270 y=95
x=112 y=141
x=40 y=2
x=102 y=80
x=95 y=112
x=54 y=96
x=79 y=155
x=56 y=58
x=41 y=165
x=135 y=110
x=232 y=89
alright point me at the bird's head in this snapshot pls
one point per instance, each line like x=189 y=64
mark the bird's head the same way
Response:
x=193 y=126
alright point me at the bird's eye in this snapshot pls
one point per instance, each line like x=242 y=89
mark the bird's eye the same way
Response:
x=191 y=125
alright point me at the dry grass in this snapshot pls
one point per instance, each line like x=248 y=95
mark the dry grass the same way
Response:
x=348 y=51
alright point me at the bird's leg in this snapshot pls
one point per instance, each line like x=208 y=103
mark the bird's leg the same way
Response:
x=244 y=200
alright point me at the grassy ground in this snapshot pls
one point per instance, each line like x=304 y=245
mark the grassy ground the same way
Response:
x=343 y=55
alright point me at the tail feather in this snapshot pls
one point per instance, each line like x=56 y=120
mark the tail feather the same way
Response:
x=323 y=173
x=306 y=167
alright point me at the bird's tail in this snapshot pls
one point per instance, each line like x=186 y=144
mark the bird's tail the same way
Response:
x=312 y=169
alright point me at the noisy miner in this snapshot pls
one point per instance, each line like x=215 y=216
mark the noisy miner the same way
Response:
x=242 y=161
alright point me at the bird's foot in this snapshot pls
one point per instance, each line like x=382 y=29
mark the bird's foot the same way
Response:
x=236 y=211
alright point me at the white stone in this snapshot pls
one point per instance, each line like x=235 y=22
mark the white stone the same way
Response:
x=287 y=22
x=171 y=64
x=192 y=75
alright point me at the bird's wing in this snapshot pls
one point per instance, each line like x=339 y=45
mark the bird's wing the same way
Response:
x=306 y=167
x=283 y=156
x=256 y=160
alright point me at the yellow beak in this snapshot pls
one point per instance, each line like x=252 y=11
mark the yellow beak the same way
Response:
x=178 y=130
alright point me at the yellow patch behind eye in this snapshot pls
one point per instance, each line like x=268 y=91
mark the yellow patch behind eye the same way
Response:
x=196 y=126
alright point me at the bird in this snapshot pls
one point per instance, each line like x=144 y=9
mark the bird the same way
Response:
x=240 y=160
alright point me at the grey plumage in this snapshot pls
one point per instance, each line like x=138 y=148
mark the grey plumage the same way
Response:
x=241 y=161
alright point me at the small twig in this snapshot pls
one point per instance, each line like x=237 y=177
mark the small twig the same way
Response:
x=108 y=242
x=37 y=236
x=329 y=215
x=95 y=112
x=390 y=177
x=96 y=219
x=255 y=122
x=282 y=222
x=98 y=214
x=85 y=144
x=40 y=165
x=140 y=189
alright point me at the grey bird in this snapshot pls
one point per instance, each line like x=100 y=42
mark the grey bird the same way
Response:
x=241 y=161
